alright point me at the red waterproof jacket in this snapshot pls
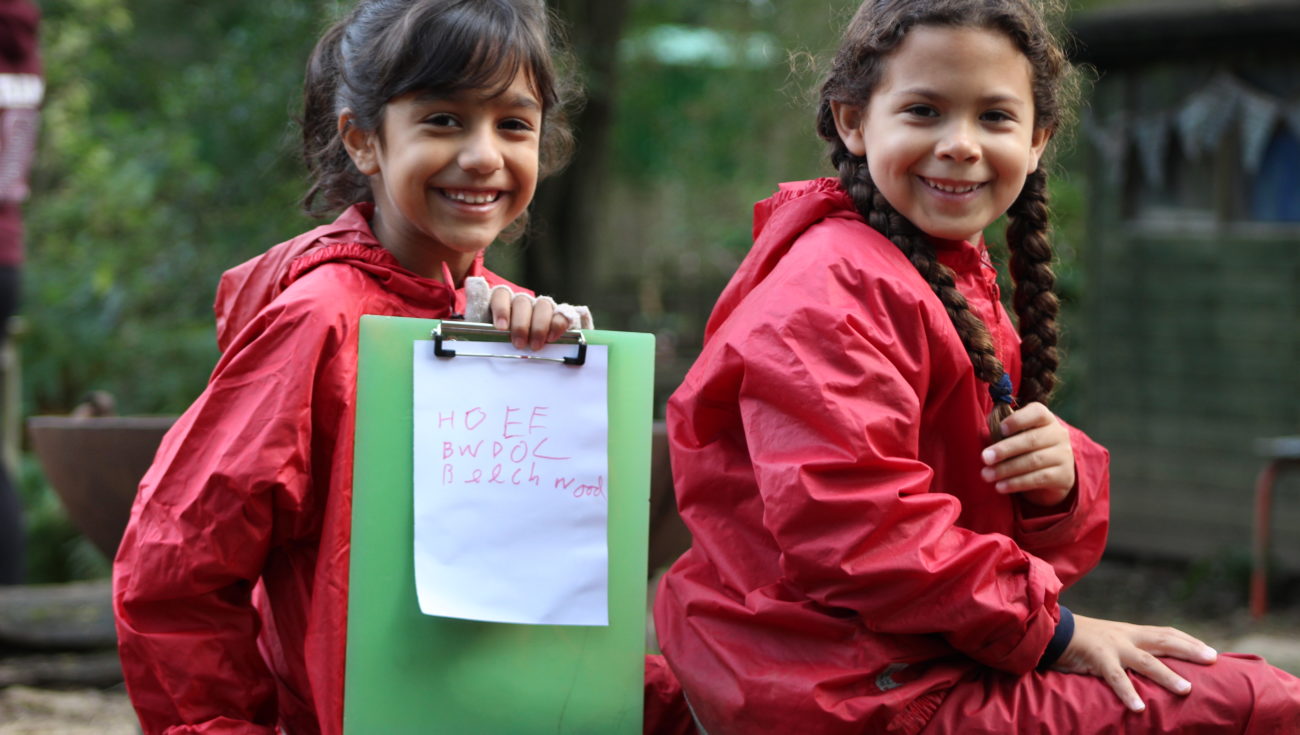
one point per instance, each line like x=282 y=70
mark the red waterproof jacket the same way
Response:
x=849 y=564
x=230 y=586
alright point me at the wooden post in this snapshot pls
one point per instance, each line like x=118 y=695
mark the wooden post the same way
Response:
x=1281 y=452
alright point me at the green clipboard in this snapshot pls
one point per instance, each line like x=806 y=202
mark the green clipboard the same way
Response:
x=411 y=673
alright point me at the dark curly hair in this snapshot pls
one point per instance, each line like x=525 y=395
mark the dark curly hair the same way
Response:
x=875 y=32
x=386 y=48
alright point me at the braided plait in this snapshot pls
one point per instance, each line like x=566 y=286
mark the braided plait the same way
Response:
x=1035 y=302
x=883 y=218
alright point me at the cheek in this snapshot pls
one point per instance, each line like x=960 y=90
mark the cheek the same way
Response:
x=1018 y=158
x=412 y=167
x=890 y=174
x=1016 y=165
x=895 y=155
x=527 y=167
x=530 y=173
x=524 y=182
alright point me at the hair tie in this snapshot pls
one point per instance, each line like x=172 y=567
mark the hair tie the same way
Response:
x=1001 y=391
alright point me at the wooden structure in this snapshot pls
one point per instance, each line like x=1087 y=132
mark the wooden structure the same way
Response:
x=1192 y=265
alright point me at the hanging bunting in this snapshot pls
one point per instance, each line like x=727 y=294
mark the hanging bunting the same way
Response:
x=1111 y=141
x=1199 y=123
x=1205 y=116
x=1151 y=134
x=1191 y=119
x=1259 y=118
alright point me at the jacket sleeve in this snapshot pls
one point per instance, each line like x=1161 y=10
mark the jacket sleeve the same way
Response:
x=1072 y=541
x=832 y=425
x=229 y=482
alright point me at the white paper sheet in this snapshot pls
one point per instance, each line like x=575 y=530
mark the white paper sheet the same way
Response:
x=510 y=472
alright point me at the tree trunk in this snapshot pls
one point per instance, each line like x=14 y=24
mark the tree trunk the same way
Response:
x=559 y=243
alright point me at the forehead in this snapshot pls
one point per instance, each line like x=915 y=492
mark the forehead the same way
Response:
x=958 y=60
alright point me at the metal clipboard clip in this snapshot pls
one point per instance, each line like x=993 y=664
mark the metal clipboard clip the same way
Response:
x=448 y=330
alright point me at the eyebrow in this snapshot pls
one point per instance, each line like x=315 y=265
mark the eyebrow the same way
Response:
x=518 y=100
x=930 y=94
x=523 y=100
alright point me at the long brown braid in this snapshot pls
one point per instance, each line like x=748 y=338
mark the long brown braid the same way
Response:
x=1035 y=301
x=875 y=31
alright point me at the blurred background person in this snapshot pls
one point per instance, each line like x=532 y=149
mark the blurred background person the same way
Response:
x=21 y=90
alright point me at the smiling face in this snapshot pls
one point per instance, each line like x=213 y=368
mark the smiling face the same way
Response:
x=449 y=173
x=948 y=133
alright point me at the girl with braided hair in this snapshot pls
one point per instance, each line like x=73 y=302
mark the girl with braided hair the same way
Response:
x=884 y=508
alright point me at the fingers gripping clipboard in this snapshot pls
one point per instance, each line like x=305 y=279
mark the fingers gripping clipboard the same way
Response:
x=408 y=672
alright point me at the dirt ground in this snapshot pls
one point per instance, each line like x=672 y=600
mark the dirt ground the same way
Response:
x=1207 y=600
x=30 y=711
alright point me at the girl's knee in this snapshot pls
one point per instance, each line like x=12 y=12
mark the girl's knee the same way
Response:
x=1254 y=694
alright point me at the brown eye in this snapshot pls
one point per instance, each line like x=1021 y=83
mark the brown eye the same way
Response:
x=441 y=120
x=517 y=125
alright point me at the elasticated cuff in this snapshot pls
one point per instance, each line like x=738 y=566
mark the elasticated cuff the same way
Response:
x=1060 y=639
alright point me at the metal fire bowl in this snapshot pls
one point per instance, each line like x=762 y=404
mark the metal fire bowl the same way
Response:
x=94 y=465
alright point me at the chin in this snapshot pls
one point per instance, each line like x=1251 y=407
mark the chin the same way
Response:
x=944 y=233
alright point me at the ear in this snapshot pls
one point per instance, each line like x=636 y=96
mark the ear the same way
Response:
x=1038 y=144
x=848 y=123
x=362 y=145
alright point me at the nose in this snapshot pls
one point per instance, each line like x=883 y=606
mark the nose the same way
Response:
x=958 y=143
x=481 y=152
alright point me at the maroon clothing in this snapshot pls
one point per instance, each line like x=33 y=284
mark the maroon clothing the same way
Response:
x=21 y=92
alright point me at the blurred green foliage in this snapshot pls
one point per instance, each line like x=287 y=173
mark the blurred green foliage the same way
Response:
x=714 y=109
x=165 y=157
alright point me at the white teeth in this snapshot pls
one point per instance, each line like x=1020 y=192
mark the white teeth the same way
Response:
x=472 y=197
x=953 y=189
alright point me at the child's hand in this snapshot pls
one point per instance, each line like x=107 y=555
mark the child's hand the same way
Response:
x=532 y=323
x=1035 y=458
x=1107 y=649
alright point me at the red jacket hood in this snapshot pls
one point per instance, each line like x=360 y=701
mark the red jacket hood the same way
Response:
x=249 y=287
x=780 y=219
x=778 y=222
